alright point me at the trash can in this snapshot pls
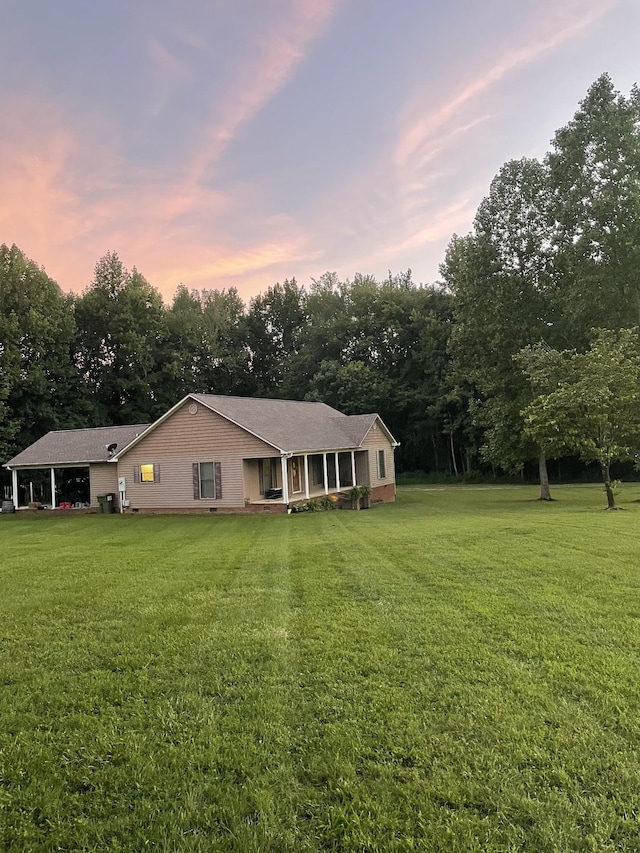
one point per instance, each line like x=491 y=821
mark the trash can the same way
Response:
x=106 y=502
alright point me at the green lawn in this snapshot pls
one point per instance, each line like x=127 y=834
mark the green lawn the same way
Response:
x=455 y=672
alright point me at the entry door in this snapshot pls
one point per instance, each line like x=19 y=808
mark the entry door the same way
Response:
x=295 y=474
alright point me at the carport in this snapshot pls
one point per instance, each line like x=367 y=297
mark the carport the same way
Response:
x=61 y=485
x=68 y=467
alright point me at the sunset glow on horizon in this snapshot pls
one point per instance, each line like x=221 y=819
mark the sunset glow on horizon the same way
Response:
x=236 y=145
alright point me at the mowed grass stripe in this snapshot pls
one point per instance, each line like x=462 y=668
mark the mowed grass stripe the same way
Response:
x=442 y=674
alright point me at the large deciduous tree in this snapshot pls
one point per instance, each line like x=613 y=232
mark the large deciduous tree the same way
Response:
x=39 y=387
x=274 y=323
x=594 y=409
x=206 y=349
x=502 y=280
x=121 y=343
x=595 y=176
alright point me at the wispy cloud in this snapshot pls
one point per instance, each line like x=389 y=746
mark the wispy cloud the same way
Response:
x=420 y=191
x=562 y=24
x=260 y=76
x=71 y=189
x=168 y=74
x=60 y=217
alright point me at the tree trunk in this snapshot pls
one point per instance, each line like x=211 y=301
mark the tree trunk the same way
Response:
x=545 y=492
x=606 y=479
x=453 y=452
x=435 y=453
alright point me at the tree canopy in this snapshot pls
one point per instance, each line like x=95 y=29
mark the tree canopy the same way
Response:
x=593 y=410
x=554 y=251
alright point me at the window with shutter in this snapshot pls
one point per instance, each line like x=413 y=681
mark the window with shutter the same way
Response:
x=148 y=472
x=218 y=480
x=207 y=481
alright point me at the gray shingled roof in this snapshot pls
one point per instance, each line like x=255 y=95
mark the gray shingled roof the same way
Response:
x=79 y=446
x=292 y=425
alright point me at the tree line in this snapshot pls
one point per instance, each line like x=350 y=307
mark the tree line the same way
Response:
x=554 y=253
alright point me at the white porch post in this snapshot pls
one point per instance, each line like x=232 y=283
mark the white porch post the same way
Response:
x=353 y=468
x=306 y=476
x=14 y=487
x=337 y=471
x=53 y=488
x=285 y=480
x=326 y=473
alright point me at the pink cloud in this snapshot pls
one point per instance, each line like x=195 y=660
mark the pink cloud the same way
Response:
x=67 y=200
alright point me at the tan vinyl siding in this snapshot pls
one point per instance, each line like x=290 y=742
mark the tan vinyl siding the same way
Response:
x=375 y=440
x=179 y=442
x=103 y=478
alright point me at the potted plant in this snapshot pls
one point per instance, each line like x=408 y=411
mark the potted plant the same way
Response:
x=365 y=496
x=355 y=494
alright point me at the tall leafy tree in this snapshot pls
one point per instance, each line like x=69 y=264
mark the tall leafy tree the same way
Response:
x=381 y=346
x=595 y=176
x=184 y=345
x=593 y=410
x=502 y=279
x=121 y=343
x=39 y=387
x=274 y=322
x=225 y=366
x=354 y=387
x=320 y=337
x=207 y=344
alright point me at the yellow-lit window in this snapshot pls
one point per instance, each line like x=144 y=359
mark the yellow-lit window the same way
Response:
x=147 y=474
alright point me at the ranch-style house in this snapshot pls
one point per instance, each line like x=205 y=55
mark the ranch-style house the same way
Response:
x=211 y=453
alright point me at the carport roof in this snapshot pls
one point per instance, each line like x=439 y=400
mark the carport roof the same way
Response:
x=76 y=446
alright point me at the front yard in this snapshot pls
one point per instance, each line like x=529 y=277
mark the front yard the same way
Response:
x=454 y=672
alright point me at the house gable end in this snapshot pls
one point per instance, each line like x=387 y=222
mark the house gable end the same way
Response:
x=195 y=431
x=189 y=400
x=370 y=424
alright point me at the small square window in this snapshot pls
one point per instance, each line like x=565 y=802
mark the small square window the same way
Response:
x=147 y=473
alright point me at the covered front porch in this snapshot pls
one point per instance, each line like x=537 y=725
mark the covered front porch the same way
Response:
x=300 y=477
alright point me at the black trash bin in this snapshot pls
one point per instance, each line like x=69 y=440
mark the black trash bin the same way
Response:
x=107 y=502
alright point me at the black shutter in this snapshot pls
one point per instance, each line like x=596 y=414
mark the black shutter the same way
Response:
x=156 y=473
x=196 y=481
x=136 y=474
x=217 y=474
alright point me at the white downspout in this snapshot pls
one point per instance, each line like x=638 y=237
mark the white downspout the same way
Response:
x=353 y=468
x=53 y=488
x=337 y=463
